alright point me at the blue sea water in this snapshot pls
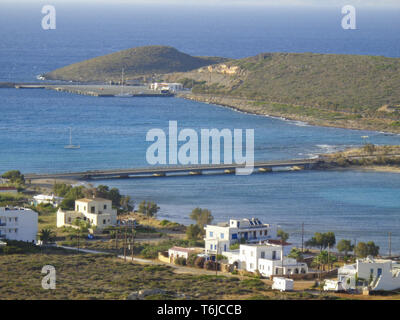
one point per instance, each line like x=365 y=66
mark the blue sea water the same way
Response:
x=111 y=131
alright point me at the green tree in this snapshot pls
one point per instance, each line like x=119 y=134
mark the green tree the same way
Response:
x=345 y=246
x=366 y=249
x=67 y=204
x=201 y=216
x=148 y=208
x=283 y=235
x=321 y=240
x=46 y=236
x=323 y=258
x=373 y=250
x=127 y=204
x=296 y=254
x=193 y=232
x=14 y=176
x=61 y=189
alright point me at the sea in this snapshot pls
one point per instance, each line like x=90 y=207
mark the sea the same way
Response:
x=34 y=124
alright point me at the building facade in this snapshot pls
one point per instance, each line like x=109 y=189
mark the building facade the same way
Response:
x=221 y=236
x=267 y=259
x=46 y=199
x=376 y=274
x=18 y=224
x=97 y=212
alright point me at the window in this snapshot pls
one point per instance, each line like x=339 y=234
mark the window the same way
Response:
x=273 y=255
x=16 y=219
x=251 y=266
x=265 y=232
x=224 y=247
x=211 y=246
x=222 y=236
x=234 y=236
x=262 y=254
x=92 y=209
x=104 y=221
x=105 y=207
x=211 y=234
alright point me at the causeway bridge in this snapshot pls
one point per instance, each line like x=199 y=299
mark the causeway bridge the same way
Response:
x=165 y=171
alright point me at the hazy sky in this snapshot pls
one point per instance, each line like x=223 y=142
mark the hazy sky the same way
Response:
x=319 y=3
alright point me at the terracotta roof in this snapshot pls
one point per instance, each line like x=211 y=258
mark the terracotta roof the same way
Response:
x=188 y=250
x=93 y=199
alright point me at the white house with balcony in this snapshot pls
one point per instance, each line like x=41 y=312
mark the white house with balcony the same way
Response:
x=18 y=224
x=376 y=274
x=219 y=237
x=46 y=199
x=268 y=259
x=97 y=211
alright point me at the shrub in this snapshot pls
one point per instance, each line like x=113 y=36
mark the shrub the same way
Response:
x=199 y=262
x=164 y=222
x=180 y=261
x=191 y=259
x=210 y=265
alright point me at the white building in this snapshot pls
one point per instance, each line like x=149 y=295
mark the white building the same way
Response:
x=46 y=199
x=97 y=211
x=267 y=259
x=282 y=284
x=376 y=274
x=18 y=224
x=173 y=87
x=179 y=252
x=221 y=236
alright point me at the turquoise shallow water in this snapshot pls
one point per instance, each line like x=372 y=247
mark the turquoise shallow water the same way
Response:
x=112 y=133
x=34 y=123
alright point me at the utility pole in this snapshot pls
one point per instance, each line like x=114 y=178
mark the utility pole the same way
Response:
x=282 y=255
x=125 y=245
x=79 y=234
x=390 y=244
x=216 y=258
x=329 y=258
x=355 y=246
x=302 y=237
x=116 y=238
x=133 y=237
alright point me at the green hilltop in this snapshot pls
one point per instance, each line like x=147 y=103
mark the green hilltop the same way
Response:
x=352 y=91
x=136 y=62
x=337 y=89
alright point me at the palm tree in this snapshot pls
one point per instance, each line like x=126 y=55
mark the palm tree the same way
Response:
x=46 y=236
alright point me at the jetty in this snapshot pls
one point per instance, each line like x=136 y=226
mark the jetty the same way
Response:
x=188 y=170
x=96 y=90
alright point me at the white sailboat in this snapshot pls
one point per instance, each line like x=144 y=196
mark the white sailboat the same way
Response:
x=122 y=94
x=70 y=145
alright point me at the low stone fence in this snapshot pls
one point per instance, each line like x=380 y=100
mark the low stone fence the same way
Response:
x=309 y=276
x=163 y=257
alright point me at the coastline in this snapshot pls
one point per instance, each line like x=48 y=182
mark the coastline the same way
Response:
x=267 y=110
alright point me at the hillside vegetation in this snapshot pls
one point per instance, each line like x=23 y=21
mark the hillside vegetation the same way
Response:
x=340 y=90
x=136 y=62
